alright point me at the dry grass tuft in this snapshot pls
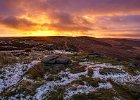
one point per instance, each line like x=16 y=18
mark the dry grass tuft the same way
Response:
x=7 y=58
x=106 y=71
x=90 y=72
x=91 y=81
x=29 y=87
x=78 y=69
x=36 y=71
x=28 y=50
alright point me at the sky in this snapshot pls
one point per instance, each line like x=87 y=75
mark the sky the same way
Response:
x=97 y=18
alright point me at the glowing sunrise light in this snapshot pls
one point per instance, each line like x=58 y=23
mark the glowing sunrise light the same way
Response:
x=42 y=33
x=99 y=18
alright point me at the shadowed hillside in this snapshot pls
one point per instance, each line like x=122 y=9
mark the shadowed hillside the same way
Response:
x=122 y=49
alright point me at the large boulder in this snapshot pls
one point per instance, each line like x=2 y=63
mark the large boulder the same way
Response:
x=53 y=60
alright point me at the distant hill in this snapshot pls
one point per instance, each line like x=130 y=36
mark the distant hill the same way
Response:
x=123 y=49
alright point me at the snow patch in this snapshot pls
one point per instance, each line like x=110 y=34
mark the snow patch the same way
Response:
x=12 y=74
x=61 y=52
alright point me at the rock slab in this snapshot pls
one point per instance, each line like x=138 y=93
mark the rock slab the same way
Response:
x=56 y=60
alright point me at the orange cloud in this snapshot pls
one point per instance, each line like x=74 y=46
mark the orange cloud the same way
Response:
x=77 y=17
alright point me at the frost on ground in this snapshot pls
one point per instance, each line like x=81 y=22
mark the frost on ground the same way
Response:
x=122 y=78
x=12 y=74
x=118 y=78
x=86 y=89
x=62 y=52
x=64 y=81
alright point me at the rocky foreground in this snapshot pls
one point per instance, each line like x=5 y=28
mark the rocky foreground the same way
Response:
x=61 y=75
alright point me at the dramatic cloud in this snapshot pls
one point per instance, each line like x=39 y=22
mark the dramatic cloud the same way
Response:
x=61 y=23
x=97 y=6
x=86 y=17
x=16 y=23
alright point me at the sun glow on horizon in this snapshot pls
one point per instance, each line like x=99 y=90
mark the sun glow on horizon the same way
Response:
x=103 y=18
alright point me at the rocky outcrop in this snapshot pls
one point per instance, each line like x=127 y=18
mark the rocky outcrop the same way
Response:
x=56 y=60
